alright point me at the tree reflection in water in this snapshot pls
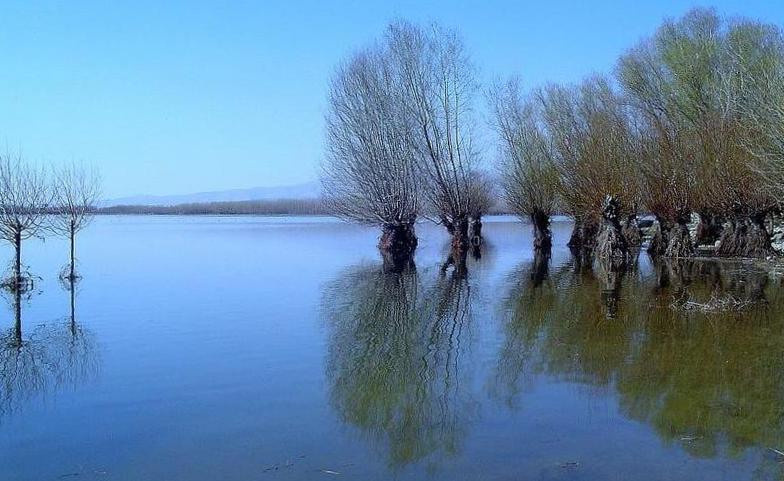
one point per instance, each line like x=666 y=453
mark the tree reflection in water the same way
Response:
x=45 y=359
x=709 y=381
x=394 y=365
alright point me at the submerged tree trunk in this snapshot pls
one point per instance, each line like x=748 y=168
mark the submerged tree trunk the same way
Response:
x=631 y=232
x=746 y=237
x=460 y=240
x=661 y=237
x=610 y=244
x=72 y=274
x=18 y=259
x=679 y=240
x=708 y=229
x=543 y=238
x=397 y=245
x=583 y=235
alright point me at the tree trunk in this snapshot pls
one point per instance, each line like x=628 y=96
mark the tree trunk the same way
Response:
x=460 y=241
x=397 y=245
x=746 y=237
x=708 y=229
x=611 y=245
x=543 y=238
x=73 y=240
x=631 y=232
x=583 y=235
x=679 y=241
x=575 y=240
x=660 y=239
x=18 y=260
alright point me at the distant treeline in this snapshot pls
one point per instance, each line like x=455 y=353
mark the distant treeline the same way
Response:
x=245 y=207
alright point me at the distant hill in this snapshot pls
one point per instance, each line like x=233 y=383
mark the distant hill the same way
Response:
x=308 y=190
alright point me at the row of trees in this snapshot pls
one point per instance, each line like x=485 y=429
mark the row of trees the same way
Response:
x=400 y=138
x=691 y=122
x=34 y=202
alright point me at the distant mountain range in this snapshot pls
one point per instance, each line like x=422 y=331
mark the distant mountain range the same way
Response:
x=308 y=190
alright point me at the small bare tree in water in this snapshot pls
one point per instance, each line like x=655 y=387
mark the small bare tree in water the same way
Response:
x=370 y=172
x=526 y=155
x=439 y=87
x=24 y=200
x=76 y=193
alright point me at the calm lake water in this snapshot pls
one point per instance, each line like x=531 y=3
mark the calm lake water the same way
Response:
x=219 y=348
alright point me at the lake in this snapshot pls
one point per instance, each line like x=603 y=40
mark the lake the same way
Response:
x=249 y=348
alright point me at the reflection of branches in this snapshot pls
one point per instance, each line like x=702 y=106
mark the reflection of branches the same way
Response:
x=394 y=359
x=708 y=381
x=531 y=298
x=48 y=358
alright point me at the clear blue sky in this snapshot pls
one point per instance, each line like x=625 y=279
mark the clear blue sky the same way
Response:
x=175 y=97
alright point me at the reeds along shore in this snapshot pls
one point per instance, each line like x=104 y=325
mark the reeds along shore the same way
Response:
x=688 y=125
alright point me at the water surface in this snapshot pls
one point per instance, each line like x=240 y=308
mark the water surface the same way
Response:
x=261 y=348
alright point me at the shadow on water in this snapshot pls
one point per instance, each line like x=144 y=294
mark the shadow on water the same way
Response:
x=395 y=364
x=40 y=361
x=692 y=349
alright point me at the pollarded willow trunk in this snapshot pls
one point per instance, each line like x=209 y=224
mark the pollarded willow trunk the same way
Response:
x=679 y=239
x=661 y=237
x=543 y=238
x=746 y=237
x=397 y=245
x=583 y=235
x=708 y=229
x=460 y=239
x=610 y=244
x=631 y=232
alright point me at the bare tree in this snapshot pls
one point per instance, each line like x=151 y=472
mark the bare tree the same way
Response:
x=75 y=195
x=526 y=154
x=439 y=87
x=370 y=172
x=24 y=199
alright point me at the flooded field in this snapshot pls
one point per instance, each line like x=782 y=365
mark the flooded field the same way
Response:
x=244 y=348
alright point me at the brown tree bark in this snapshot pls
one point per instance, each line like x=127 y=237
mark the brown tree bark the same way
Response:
x=610 y=244
x=397 y=245
x=460 y=240
x=708 y=229
x=583 y=235
x=543 y=238
x=746 y=237
x=679 y=241
x=631 y=232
